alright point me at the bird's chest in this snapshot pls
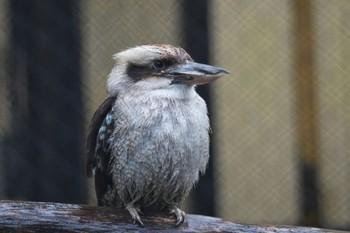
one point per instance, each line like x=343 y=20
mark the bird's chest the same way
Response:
x=158 y=141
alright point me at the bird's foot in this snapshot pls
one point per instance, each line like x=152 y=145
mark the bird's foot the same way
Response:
x=179 y=214
x=135 y=212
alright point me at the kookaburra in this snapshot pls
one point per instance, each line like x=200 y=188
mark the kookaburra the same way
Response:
x=148 y=141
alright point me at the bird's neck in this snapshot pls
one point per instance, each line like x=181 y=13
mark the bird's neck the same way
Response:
x=173 y=92
x=176 y=92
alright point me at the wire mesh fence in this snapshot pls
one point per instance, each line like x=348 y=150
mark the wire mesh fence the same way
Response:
x=261 y=169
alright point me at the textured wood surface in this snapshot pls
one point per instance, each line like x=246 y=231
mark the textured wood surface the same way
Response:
x=20 y=216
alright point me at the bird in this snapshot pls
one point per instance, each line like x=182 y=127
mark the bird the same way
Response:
x=148 y=142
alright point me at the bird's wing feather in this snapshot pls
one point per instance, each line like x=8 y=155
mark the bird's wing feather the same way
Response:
x=95 y=125
x=98 y=148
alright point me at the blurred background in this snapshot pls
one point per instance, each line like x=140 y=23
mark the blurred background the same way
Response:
x=280 y=150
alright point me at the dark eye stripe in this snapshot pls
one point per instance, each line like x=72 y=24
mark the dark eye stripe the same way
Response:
x=136 y=72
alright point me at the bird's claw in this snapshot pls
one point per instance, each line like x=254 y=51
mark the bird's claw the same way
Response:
x=179 y=214
x=134 y=212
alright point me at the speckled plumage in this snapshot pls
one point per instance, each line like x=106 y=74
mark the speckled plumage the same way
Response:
x=159 y=146
x=152 y=140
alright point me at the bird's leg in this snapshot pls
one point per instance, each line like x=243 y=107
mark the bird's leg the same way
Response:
x=134 y=211
x=179 y=214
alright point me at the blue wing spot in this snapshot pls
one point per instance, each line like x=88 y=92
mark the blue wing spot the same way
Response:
x=109 y=119
x=102 y=129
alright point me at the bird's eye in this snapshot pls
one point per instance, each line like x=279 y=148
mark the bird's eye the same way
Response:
x=158 y=65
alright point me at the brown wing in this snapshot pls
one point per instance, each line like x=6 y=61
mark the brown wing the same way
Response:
x=95 y=125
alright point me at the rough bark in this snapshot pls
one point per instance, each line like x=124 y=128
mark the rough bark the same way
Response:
x=20 y=216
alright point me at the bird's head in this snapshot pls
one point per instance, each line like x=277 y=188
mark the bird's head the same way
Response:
x=158 y=67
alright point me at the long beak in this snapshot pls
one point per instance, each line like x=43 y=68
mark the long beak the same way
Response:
x=196 y=73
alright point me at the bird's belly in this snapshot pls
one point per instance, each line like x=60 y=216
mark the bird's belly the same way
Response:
x=160 y=170
x=159 y=154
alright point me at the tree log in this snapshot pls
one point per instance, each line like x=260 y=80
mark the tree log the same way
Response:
x=21 y=216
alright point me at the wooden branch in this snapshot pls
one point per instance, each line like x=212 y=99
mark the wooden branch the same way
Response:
x=21 y=216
